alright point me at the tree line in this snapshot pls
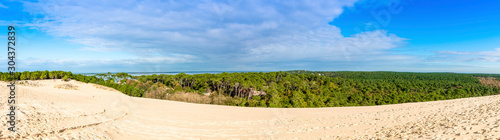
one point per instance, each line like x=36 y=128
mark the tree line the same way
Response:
x=326 y=89
x=292 y=88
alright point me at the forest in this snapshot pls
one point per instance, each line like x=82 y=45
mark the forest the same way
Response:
x=290 y=89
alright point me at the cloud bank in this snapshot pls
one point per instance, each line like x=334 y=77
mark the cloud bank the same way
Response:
x=247 y=33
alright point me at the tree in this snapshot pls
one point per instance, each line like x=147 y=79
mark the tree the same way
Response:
x=298 y=99
x=23 y=76
x=65 y=78
x=275 y=99
x=43 y=75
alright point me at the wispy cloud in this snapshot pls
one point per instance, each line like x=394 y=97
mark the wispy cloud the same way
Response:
x=3 y=6
x=467 y=56
x=150 y=64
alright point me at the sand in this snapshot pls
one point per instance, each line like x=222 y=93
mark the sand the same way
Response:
x=89 y=111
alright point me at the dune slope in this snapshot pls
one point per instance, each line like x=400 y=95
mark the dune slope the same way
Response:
x=89 y=111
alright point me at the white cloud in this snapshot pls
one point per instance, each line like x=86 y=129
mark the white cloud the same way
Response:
x=325 y=44
x=214 y=31
x=467 y=56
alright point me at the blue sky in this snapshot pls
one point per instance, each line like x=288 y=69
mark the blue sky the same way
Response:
x=258 y=35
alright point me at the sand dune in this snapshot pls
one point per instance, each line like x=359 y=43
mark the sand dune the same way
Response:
x=88 y=111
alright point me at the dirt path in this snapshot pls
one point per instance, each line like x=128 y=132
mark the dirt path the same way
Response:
x=92 y=112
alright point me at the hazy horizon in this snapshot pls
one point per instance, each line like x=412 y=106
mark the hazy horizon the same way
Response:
x=201 y=72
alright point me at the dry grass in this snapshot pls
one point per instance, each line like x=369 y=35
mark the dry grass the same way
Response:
x=156 y=92
x=198 y=98
x=66 y=86
x=189 y=97
x=489 y=81
x=222 y=100
x=104 y=88
x=31 y=83
x=163 y=92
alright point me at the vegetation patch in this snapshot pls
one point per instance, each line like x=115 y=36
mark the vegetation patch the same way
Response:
x=66 y=86
x=31 y=83
x=104 y=88
x=490 y=81
x=189 y=97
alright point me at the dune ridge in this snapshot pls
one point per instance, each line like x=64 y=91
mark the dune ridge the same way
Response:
x=96 y=113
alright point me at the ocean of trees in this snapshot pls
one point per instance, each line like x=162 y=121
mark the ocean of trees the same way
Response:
x=289 y=89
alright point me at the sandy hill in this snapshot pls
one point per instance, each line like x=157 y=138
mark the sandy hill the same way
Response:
x=55 y=109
